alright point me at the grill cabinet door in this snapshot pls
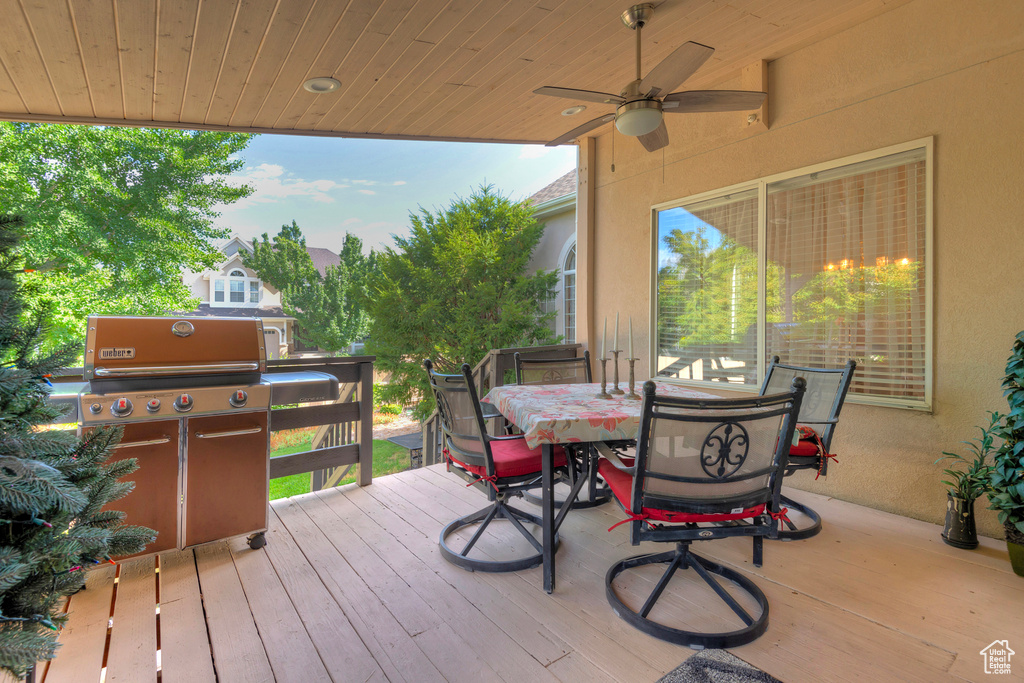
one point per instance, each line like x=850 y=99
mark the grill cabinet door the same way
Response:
x=226 y=476
x=154 y=501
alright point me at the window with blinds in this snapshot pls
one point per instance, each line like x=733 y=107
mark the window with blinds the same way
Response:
x=707 y=290
x=836 y=271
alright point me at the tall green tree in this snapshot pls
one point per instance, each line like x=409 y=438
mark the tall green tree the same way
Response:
x=330 y=309
x=113 y=216
x=455 y=288
x=53 y=487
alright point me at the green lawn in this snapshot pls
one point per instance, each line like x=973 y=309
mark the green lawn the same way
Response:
x=388 y=458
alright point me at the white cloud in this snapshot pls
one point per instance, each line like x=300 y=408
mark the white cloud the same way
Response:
x=351 y=221
x=366 y=192
x=271 y=184
x=533 y=151
x=398 y=182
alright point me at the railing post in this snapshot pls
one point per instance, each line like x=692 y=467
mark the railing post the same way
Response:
x=365 y=423
x=430 y=440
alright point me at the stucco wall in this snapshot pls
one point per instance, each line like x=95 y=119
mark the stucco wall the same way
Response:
x=559 y=229
x=944 y=68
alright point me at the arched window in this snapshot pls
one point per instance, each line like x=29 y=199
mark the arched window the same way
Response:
x=237 y=288
x=569 y=295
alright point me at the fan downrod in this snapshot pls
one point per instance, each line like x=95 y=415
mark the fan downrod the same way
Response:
x=638 y=15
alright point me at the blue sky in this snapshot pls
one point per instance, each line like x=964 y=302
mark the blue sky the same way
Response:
x=368 y=187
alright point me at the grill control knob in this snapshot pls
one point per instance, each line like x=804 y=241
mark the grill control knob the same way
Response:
x=183 y=403
x=95 y=408
x=238 y=398
x=122 y=407
x=153 y=405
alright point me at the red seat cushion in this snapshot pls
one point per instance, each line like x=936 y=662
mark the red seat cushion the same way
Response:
x=804 y=448
x=621 y=485
x=808 y=445
x=513 y=459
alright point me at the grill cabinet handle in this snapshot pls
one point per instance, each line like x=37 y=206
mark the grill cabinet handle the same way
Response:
x=176 y=369
x=234 y=432
x=150 y=442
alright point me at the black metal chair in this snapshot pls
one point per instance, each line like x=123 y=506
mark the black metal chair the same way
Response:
x=819 y=415
x=500 y=466
x=567 y=370
x=699 y=463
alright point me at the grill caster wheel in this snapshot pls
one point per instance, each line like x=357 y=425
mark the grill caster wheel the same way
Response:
x=257 y=541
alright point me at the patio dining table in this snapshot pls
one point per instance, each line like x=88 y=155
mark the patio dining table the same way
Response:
x=550 y=414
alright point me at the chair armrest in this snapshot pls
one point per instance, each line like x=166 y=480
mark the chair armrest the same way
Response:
x=611 y=456
x=506 y=438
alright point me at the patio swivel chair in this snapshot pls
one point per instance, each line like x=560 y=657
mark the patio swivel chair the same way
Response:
x=699 y=463
x=500 y=466
x=568 y=370
x=819 y=415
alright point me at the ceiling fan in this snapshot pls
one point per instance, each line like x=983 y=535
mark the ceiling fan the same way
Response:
x=640 y=105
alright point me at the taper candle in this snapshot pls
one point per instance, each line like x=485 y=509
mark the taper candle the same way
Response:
x=631 y=336
x=616 y=345
x=604 y=335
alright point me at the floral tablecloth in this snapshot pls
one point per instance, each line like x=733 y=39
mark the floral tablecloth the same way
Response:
x=572 y=413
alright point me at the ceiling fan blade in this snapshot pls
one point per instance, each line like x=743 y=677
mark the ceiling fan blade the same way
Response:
x=585 y=95
x=696 y=101
x=580 y=130
x=675 y=68
x=656 y=139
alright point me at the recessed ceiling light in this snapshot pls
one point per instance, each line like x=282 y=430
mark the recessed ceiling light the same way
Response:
x=573 y=110
x=321 y=85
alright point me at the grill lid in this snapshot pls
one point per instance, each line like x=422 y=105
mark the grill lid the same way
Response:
x=126 y=348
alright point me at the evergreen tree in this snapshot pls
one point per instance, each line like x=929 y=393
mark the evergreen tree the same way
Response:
x=53 y=487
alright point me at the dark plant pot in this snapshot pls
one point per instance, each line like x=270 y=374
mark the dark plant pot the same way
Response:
x=1015 y=546
x=960 y=531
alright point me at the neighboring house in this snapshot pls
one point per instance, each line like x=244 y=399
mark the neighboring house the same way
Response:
x=233 y=290
x=555 y=206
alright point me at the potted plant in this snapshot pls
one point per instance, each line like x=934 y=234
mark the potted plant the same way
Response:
x=968 y=478
x=1007 y=476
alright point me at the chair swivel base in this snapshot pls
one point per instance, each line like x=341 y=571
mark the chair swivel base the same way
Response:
x=682 y=558
x=793 y=532
x=497 y=511
x=600 y=496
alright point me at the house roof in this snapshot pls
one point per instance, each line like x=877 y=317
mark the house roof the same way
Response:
x=322 y=258
x=408 y=70
x=565 y=185
x=206 y=310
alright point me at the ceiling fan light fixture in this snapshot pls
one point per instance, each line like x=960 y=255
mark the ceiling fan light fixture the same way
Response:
x=321 y=85
x=572 y=111
x=638 y=118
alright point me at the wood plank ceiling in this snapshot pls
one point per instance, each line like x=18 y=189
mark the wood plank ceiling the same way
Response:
x=410 y=69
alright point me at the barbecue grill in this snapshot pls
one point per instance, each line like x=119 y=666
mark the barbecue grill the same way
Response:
x=194 y=399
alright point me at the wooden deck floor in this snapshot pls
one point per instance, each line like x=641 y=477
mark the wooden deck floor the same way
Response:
x=351 y=587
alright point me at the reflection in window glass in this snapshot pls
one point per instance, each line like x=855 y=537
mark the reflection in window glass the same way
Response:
x=218 y=290
x=254 y=292
x=707 y=290
x=847 y=247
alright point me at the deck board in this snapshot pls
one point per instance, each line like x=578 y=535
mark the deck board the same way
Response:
x=352 y=586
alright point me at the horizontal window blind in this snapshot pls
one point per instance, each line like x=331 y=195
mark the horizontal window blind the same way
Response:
x=846 y=257
x=844 y=262
x=707 y=290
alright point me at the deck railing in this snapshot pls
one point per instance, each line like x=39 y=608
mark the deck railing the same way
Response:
x=345 y=435
x=492 y=371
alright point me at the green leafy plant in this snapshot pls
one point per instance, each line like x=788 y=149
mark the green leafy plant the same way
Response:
x=972 y=477
x=1007 y=476
x=389 y=409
